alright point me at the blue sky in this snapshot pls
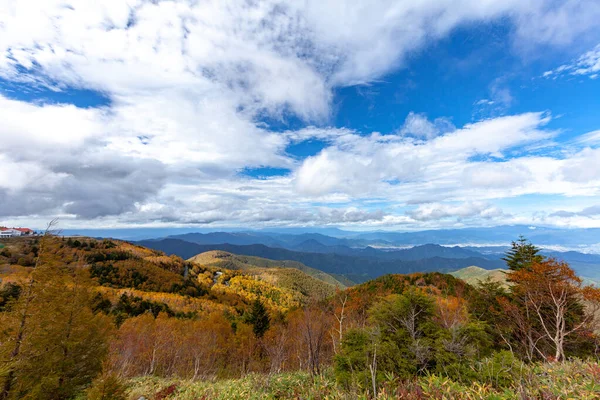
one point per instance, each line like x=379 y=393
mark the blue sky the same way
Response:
x=363 y=115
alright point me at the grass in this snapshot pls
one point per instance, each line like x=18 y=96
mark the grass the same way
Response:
x=569 y=380
x=473 y=275
x=296 y=385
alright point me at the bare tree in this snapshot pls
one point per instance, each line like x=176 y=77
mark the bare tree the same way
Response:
x=339 y=313
x=313 y=325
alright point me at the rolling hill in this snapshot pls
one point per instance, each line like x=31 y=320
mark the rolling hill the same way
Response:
x=149 y=278
x=223 y=259
x=474 y=275
x=309 y=282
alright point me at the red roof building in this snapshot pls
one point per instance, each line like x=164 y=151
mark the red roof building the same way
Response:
x=12 y=232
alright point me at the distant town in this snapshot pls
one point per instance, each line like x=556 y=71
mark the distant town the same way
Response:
x=14 y=232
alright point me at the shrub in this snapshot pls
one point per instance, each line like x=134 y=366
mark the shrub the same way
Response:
x=107 y=386
x=501 y=370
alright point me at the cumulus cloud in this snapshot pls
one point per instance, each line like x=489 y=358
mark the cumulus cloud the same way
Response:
x=189 y=86
x=419 y=126
x=356 y=164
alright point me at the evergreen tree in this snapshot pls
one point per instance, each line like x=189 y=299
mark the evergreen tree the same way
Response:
x=522 y=255
x=259 y=318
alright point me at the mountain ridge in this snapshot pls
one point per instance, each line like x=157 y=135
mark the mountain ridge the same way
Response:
x=357 y=269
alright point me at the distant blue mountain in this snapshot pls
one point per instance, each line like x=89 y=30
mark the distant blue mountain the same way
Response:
x=574 y=239
x=371 y=253
x=364 y=249
x=237 y=238
x=356 y=268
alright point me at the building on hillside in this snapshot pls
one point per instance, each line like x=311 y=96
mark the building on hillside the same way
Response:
x=25 y=231
x=14 y=232
x=7 y=232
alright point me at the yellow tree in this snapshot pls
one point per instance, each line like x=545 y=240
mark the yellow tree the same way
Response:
x=16 y=323
x=67 y=342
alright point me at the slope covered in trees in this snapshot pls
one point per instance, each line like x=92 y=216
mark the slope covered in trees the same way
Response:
x=107 y=319
x=291 y=275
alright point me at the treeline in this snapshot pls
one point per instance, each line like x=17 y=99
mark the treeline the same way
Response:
x=60 y=336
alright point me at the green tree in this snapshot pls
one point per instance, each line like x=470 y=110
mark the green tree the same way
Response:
x=8 y=293
x=259 y=318
x=411 y=334
x=352 y=363
x=408 y=332
x=522 y=255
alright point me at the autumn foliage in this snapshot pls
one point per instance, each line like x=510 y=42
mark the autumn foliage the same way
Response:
x=80 y=315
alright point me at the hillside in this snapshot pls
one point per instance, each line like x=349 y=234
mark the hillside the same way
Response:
x=294 y=276
x=163 y=282
x=223 y=259
x=148 y=324
x=473 y=275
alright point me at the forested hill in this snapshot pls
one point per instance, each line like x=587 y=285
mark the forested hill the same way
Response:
x=357 y=269
x=225 y=260
x=167 y=282
x=106 y=319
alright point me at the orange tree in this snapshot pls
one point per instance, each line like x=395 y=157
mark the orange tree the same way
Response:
x=553 y=301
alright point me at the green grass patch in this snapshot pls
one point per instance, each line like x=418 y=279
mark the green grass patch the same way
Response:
x=569 y=380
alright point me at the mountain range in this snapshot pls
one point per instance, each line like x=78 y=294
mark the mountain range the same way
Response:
x=563 y=239
x=368 y=255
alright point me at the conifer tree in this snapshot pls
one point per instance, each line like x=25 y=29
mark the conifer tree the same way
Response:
x=51 y=343
x=14 y=334
x=66 y=343
x=522 y=255
x=259 y=318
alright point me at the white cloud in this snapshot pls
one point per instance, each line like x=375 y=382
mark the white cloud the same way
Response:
x=589 y=139
x=583 y=167
x=191 y=83
x=587 y=64
x=356 y=164
x=592 y=211
x=47 y=126
x=437 y=211
x=556 y=22
x=419 y=126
